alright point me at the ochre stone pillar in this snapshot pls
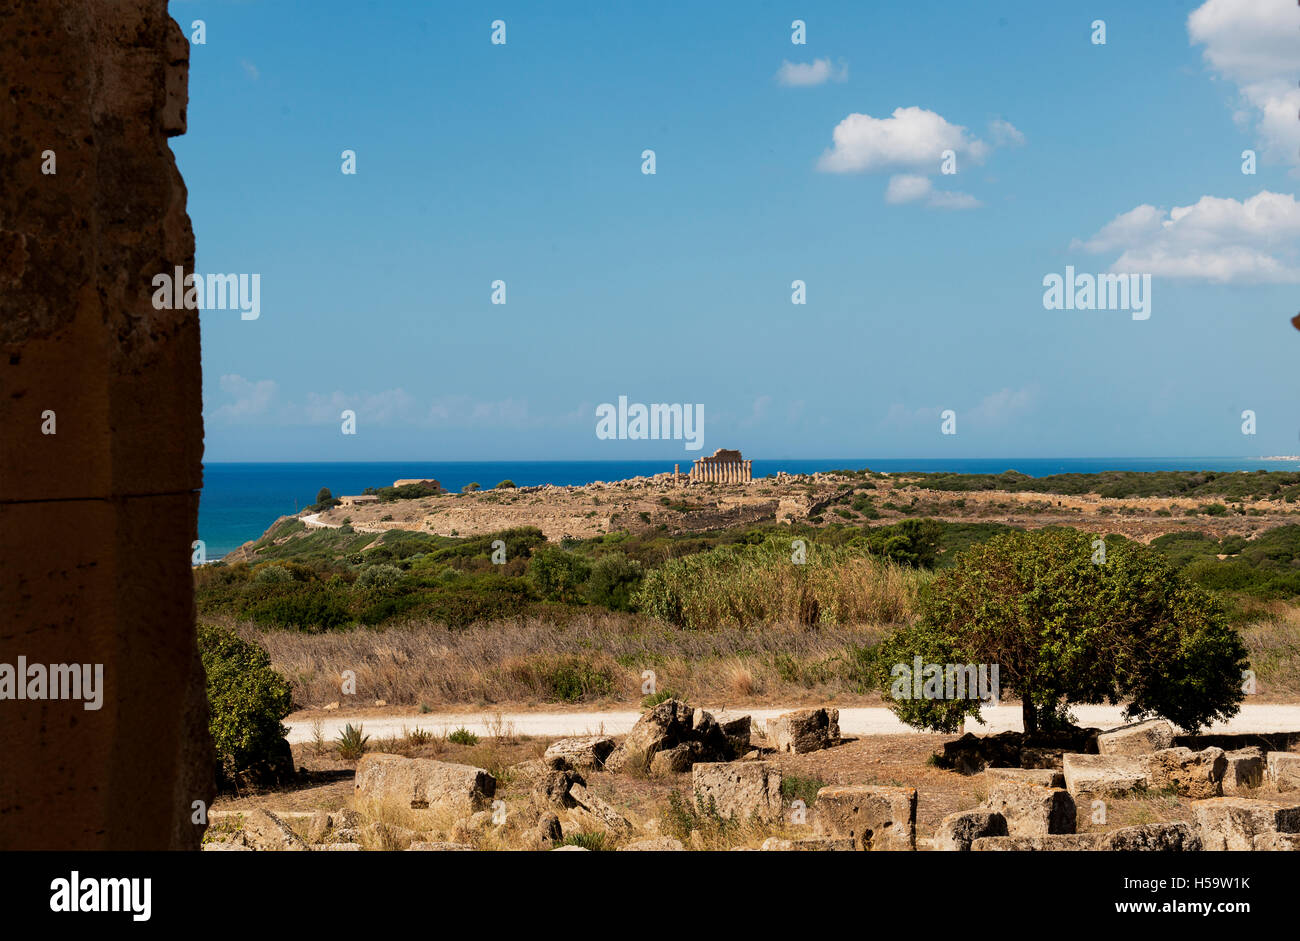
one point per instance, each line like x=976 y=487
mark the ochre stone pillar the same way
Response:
x=97 y=518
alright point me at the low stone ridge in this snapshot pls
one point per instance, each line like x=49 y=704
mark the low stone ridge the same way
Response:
x=263 y=830
x=1071 y=842
x=956 y=832
x=1031 y=809
x=738 y=790
x=1104 y=775
x=1153 y=837
x=658 y=844
x=805 y=730
x=421 y=783
x=1234 y=823
x=1140 y=738
x=775 y=844
x=1197 y=775
x=873 y=817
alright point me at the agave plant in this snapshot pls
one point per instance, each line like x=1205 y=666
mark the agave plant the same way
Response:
x=351 y=743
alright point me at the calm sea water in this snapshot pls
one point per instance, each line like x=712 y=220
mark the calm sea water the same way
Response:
x=240 y=501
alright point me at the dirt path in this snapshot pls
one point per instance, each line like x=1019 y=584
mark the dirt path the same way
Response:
x=853 y=722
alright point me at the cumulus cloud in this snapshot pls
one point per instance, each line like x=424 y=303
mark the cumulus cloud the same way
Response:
x=997 y=408
x=1004 y=405
x=1005 y=134
x=1218 y=240
x=909 y=139
x=259 y=402
x=910 y=188
x=817 y=72
x=249 y=399
x=1256 y=44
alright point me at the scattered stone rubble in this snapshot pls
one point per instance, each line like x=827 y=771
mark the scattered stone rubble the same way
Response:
x=1027 y=808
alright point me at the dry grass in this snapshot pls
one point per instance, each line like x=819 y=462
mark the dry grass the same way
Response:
x=745 y=586
x=1274 y=645
x=594 y=659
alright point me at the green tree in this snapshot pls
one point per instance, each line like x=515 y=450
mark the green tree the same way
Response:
x=323 y=496
x=506 y=485
x=557 y=575
x=913 y=542
x=1063 y=628
x=246 y=701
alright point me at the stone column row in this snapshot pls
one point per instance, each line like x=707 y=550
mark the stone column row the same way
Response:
x=717 y=472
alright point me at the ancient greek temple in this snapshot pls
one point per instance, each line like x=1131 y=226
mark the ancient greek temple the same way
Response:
x=722 y=467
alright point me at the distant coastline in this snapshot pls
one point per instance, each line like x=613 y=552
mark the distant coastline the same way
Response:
x=241 y=499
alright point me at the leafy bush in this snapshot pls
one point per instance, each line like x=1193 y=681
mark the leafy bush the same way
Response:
x=505 y=485
x=557 y=575
x=313 y=609
x=246 y=701
x=1063 y=630
x=378 y=576
x=613 y=582
x=463 y=736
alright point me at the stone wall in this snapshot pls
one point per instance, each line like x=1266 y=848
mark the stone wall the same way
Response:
x=97 y=517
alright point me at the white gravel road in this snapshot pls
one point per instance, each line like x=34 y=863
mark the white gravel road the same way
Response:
x=853 y=722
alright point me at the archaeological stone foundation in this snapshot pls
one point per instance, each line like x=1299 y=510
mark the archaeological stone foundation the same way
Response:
x=102 y=429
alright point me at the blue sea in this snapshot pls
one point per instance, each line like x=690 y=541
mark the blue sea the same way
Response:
x=239 y=501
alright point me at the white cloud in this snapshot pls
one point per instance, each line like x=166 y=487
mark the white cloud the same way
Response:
x=463 y=411
x=909 y=188
x=259 y=402
x=817 y=72
x=377 y=408
x=911 y=139
x=251 y=399
x=1256 y=45
x=1219 y=240
x=1005 y=134
x=1004 y=405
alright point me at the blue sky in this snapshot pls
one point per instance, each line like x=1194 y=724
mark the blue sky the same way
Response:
x=774 y=162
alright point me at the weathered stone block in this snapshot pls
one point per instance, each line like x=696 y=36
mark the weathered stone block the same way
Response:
x=1233 y=823
x=873 y=817
x=1197 y=775
x=1141 y=738
x=1243 y=771
x=421 y=783
x=738 y=790
x=1104 y=775
x=805 y=730
x=1043 y=777
x=1031 y=809
x=1157 y=837
x=956 y=832
x=585 y=753
x=1283 y=770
